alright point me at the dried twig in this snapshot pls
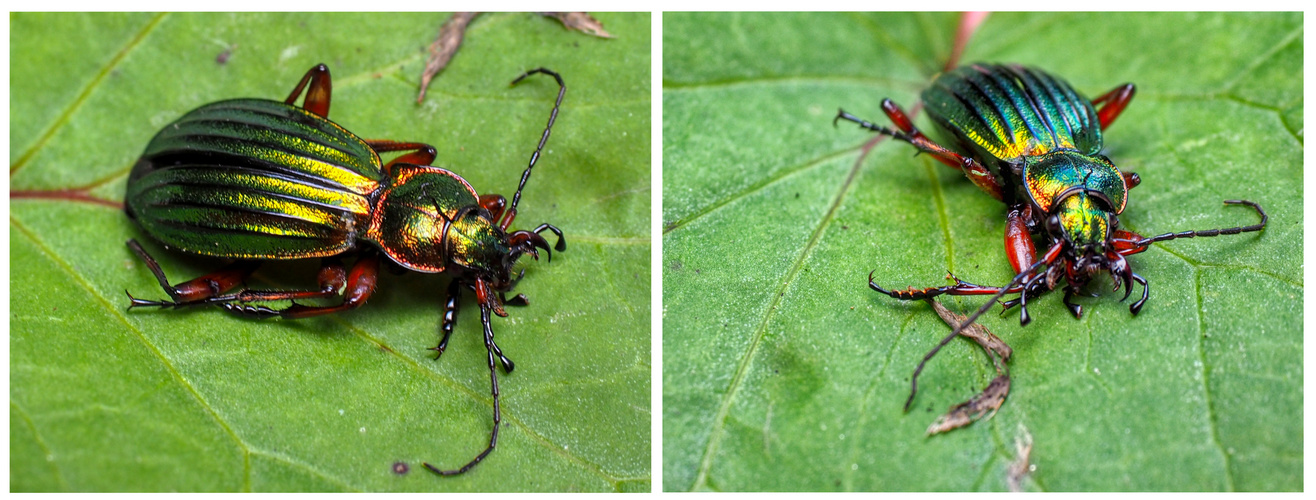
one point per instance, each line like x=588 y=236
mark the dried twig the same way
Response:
x=992 y=397
x=444 y=47
x=977 y=332
x=580 y=21
x=960 y=415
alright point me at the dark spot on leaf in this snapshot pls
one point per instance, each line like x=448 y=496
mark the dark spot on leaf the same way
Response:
x=223 y=57
x=400 y=468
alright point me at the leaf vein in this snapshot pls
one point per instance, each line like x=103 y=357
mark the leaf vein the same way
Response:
x=714 y=438
x=82 y=97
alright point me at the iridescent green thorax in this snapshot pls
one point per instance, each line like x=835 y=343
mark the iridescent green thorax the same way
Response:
x=1052 y=176
x=1084 y=220
x=412 y=216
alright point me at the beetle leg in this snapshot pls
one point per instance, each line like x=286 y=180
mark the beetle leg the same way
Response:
x=1018 y=240
x=1131 y=179
x=360 y=282
x=421 y=154
x=493 y=389
x=959 y=288
x=450 y=320
x=1126 y=242
x=1137 y=306
x=1112 y=104
x=331 y=278
x=449 y=316
x=495 y=204
x=207 y=289
x=518 y=300
x=317 y=97
x=1075 y=309
x=980 y=175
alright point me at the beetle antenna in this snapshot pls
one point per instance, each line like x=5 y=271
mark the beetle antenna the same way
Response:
x=493 y=389
x=534 y=157
x=913 y=384
x=1213 y=232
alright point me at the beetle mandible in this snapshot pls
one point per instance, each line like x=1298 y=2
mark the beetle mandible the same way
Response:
x=256 y=179
x=1029 y=140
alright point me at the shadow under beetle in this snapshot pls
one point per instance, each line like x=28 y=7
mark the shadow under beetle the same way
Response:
x=256 y=179
x=1032 y=142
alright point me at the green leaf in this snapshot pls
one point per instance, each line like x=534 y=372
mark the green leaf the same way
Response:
x=784 y=372
x=107 y=399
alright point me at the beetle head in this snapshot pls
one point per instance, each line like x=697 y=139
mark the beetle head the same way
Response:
x=480 y=249
x=483 y=250
x=1085 y=225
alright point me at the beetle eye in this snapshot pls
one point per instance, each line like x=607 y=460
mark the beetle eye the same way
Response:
x=1053 y=222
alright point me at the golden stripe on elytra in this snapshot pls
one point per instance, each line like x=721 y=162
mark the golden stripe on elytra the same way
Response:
x=348 y=202
x=352 y=180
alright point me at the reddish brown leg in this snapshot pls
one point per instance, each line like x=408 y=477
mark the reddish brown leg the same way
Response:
x=484 y=295
x=495 y=204
x=360 y=284
x=960 y=287
x=1018 y=241
x=1018 y=247
x=977 y=173
x=1112 y=103
x=317 y=97
x=421 y=153
x=207 y=289
x=330 y=278
x=1131 y=179
x=1126 y=242
x=211 y=288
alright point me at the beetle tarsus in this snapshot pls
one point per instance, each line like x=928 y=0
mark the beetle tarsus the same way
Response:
x=1075 y=309
x=251 y=311
x=1137 y=306
x=136 y=302
x=519 y=300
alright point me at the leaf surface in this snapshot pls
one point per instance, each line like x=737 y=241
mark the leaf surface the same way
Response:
x=104 y=399
x=783 y=371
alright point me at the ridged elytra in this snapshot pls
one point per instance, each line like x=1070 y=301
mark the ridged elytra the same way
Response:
x=1028 y=139
x=256 y=179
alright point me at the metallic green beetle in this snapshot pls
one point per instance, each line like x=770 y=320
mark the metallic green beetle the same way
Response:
x=254 y=179
x=1028 y=139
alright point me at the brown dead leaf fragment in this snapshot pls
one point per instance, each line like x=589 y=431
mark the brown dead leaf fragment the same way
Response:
x=992 y=397
x=978 y=333
x=1020 y=467
x=580 y=21
x=444 y=47
x=960 y=415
